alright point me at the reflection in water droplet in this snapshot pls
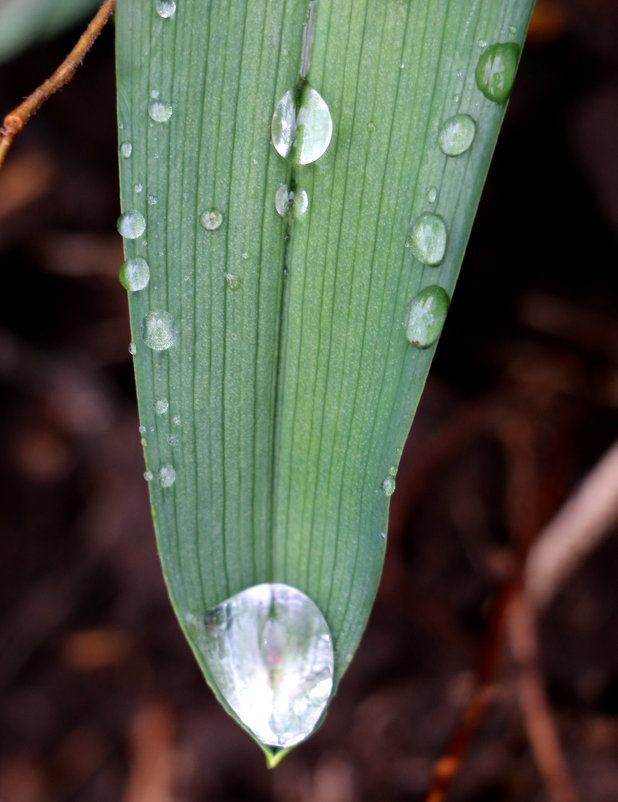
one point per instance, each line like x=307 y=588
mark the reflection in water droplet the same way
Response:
x=166 y=475
x=211 y=219
x=161 y=405
x=432 y=194
x=232 y=281
x=457 y=135
x=426 y=316
x=302 y=134
x=160 y=111
x=270 y=653
x=126 y=149
x=428 y=238
x=134 y=274
x=166 y=8
x=159 y=330
x=495 y=71
x=131 y=224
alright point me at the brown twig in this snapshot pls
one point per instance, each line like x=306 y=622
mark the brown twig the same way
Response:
x=15 y=120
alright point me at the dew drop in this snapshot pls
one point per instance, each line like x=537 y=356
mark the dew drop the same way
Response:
x=176 y=420
x=512 y=29
x=270 y=653
x=148 y=476
x=432 y=194
x=160 y=111
x=166 y=8
x=134 y=274
x=138 y=188
x=172 y=439
x=457 y=135
x=132 y=349
x=166 y=475
x=426 y=316
x=131 y=224
x=159 y=330
x=282 y=200
x=296 y=202
x=152 y=200
x=388 y=486
x=300 y=203
x=371 y=126
x=495 y=71
x=161 y=405
x=211 y=219
x=302 y=134
x=126 y=149
x=141 y=429
x=428 y=238
x=482 y=43
x=232 y=281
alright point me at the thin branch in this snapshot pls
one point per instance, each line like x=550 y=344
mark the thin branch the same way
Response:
x=15 y=120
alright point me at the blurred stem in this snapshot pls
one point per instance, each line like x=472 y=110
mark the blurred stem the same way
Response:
x=16 y=119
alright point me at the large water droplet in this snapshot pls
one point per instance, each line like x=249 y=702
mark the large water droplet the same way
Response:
x=131 y=224
x=495 y=71
x=126 y=149
x=134 y=274
x=159 y=330
x=426 y=316
x=270 y=653
x=160 y=111
x=457 y=135
x=166 y=475
x=428 y=238
x=166 y=8
x=211 y=219
x=302 y=134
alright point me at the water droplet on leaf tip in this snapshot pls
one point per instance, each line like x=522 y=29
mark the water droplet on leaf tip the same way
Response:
x=270 y=653
x=160 y=111
x=166 y=475
x=131 y=224
x=457 y=134
x=427 y=239
x=426 y=316
x=304 y=134
x=211 y=219
x=166 y=8
x=134 y=274
x=495 y=71
x=126 y=149
x=159 y=330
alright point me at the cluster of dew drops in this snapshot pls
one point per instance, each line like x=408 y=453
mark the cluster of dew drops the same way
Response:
x=301 y=131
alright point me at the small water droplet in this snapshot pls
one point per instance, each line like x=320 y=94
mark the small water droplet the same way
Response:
x=161 y=405
x=457 y=135
x=426 y=316
x=371 y=126
x=244 y=255
x=383 y=535
x=148 y=476
x=270 y=653
x=428 y=238
x=141 y=429
x=211 y=219
x=154 y=93
x=166 y=8
x=300 y=203
x=401 y=66
x=512 y=29
x=432 y=194
x=302 y=135
x=138 y=188
x=482 y=43
x=126 y=149
x=159 y=330
x=132 y=349
x=232 y=281
x=131 y=224
x=160 y=111
x=166 y=475
x=152 y=200
x=495 y=71
x=134 y=274
x=456 y=97
x=296 y=202
x=388 y=486
x=281 y=200
x=176 y=420
x=172 y=439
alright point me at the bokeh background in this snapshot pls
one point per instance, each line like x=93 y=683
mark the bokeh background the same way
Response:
x=100 y=698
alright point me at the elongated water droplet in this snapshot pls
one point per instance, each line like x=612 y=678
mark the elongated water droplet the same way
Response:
x=432 y=194
x=159 y=330
x=426 y=316
x=232 y=281
x=282 y=197
x=300 y=203
x=211 y=219
x=457 y=135
x=166 y=8
x=161 y=405
x=160 y=111
x=132 y=349
x=270 y=653
x=302 y=134
x=495 y=71
x=166 y=475
x=134 y=274
x=126 y=149
x=131 y=224
x=428 y=238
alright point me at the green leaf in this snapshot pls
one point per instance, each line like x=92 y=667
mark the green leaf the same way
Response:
x=275 y=421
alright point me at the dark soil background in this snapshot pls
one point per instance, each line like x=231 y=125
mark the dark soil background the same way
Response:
x=100 y=698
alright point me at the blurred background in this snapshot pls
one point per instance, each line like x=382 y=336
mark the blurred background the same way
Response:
x=100 y=698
